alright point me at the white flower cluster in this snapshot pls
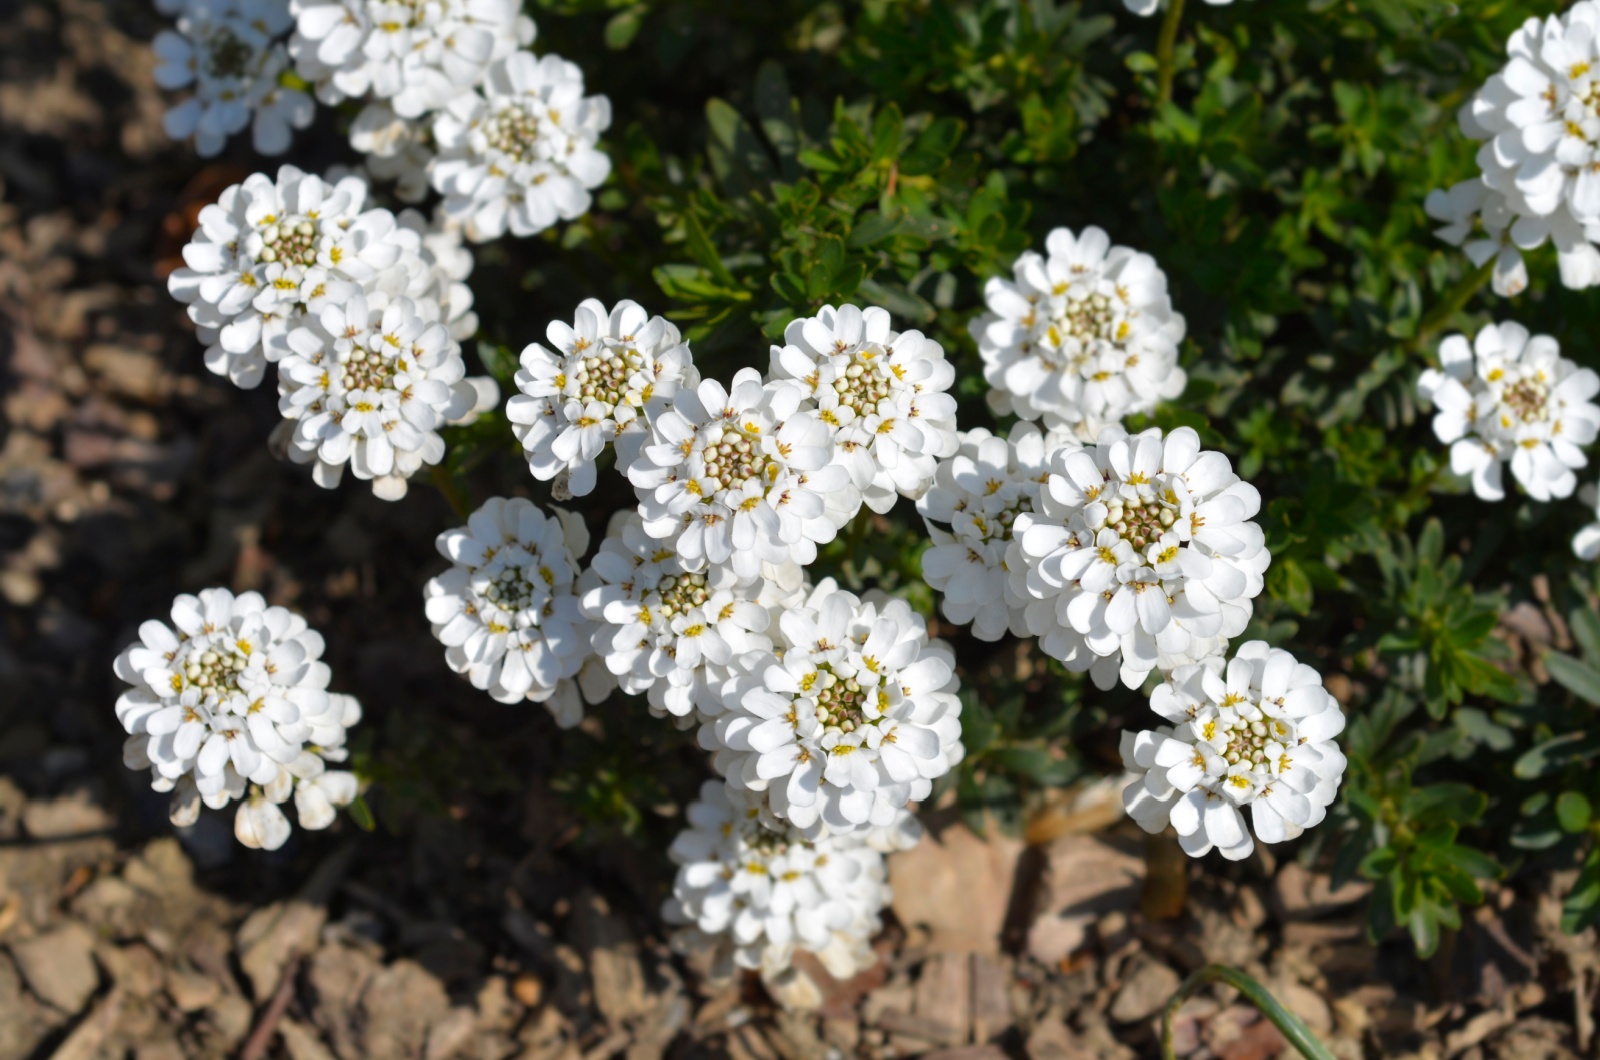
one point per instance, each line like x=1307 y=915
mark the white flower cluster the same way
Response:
x=754 y=894
x=414 y=55
x=1511 y=398
x=741 y=477
x=607 y=373
x=881 y=393
x=507 y=612
x=231 y=702
x=230 y=56
x=1142 y=554
x=519 y=151
x=1080 y=338
x=364 y=311
x=1254 y=733
x=851 y=716
x=367 y=384
x=828 y=714
x=1539 y=122
x=670 y=633
x=455 y=101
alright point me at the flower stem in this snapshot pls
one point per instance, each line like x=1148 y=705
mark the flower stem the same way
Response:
x=445 y=484
x=1294 y=1031
x=1164 y=48
x=1456 y=297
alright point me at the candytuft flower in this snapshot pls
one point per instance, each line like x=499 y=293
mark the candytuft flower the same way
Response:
x=269 y=252
x=756 y=894
x=739 y=477
x=848 y=720
x=1511 y=398
x=416 y=56
x=1141 y=555
x=1255 y=733
x=506 y=611
x=368 y=384
x=1082 y=337
x=595 y=385
x=969 y=512
x=227 y=52
x=519 y=152
x=664 y=630
x=231 y=702
x=882 y=394
x=1539 y=122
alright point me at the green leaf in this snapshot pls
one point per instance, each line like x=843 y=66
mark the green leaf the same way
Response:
x=1423 y=924
x=699 y=246
x=1555 y=753
x=622 y=27
x=1578 y=678
x=887 y=129
x=1585 y=626
x=1572 y=811
x=361 y=814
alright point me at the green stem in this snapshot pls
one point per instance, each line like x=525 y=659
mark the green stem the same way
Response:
x=1456 y=297
x=1164 y=48
x=452 y=492
x=1294 y=1031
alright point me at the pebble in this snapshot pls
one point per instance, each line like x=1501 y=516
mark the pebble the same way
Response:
x=58 y=966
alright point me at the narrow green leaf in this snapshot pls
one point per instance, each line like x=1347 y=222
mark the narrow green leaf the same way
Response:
x=1578 y=678
x=361 y=814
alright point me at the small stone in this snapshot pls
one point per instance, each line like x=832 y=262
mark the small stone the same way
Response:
x=58 y=966
x=1085 y=878
x=968 y=1052
x=794 y=990
x=958 y=886
x=301 y=1042
x=164 y=1049
x=72 y=815
x=842 y=1033
x=135 y=969
x=399 y=1007
x=1305 y=1003
x=943 y=994
x=1300 y=894
x=108 y=902
x=231 y=1016
x=271 y=936
x=161 y=869
x=450 y=1034
x=1144 y=992
x=191 y=991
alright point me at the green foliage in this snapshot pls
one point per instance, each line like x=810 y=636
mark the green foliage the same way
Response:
x=771 y=158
